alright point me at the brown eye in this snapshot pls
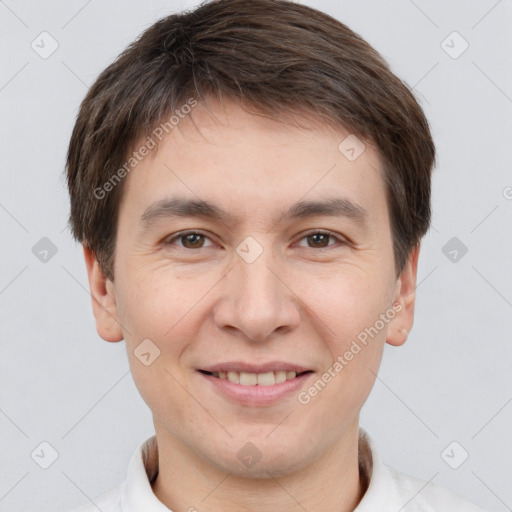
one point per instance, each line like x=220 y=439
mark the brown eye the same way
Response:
x=321 y=240
x=193 y=241
x=190 y=240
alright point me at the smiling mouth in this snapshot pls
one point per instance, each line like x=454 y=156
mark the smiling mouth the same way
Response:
x=256 y=379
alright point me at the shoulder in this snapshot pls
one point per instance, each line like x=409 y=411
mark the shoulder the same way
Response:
x=109 y=501
x=416 y=495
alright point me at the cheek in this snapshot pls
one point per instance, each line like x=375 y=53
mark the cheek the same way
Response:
x=346 y=304
x=159 y=307
x=156 y=304
x=349 y=309
x=354 y=335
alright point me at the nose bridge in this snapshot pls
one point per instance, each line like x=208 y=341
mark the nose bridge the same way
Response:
x=256 y=278
x=256 y=301
x=256 y=287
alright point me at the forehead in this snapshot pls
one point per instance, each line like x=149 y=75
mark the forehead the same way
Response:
x=253 y=165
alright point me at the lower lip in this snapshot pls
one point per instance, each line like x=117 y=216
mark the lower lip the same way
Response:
x=257 y=395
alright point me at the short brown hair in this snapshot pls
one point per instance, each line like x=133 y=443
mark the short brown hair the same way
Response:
x=275 y=56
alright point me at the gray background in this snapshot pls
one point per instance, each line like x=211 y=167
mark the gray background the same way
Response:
x=61 y=383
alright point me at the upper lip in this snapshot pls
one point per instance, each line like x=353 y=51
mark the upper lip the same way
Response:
x=241 y=366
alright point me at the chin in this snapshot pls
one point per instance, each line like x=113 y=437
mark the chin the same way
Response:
x=261 y=458
x=263 y=469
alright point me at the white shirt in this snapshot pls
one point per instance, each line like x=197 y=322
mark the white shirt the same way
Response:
x=388 y=491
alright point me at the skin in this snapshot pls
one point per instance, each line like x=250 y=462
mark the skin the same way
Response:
x=303 y=300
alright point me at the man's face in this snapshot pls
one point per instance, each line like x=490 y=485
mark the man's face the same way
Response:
x=264 y=288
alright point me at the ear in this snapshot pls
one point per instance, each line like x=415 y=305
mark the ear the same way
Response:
x=103 y=295
x=404 y=298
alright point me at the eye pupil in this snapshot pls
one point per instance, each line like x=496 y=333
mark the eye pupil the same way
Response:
x=193 y=238
x=320 y=237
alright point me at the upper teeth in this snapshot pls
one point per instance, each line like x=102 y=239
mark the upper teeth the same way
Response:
x=251 y=379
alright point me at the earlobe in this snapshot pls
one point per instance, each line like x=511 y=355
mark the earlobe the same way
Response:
x=404 y=300
x=104 y=304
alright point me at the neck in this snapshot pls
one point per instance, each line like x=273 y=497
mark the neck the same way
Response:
x=186 y=483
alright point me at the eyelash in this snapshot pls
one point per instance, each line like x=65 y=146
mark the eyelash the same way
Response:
x=169 y=241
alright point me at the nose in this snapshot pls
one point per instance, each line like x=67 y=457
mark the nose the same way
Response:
x=257 y=300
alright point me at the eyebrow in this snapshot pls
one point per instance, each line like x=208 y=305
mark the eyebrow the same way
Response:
x=183 y=207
